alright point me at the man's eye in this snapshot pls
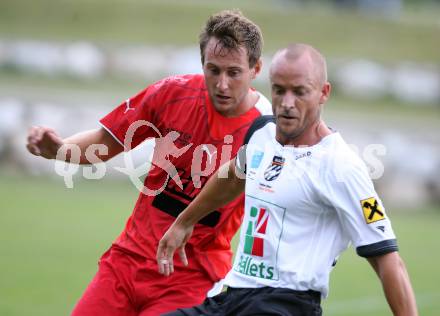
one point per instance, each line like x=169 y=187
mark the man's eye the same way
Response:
x=277 y=90
x=234 y=73
x=300 y=92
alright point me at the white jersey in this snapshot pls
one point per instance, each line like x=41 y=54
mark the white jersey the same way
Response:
x=303 y=207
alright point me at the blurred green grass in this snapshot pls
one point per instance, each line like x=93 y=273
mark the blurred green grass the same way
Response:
x=51 y=238
x=338 y=33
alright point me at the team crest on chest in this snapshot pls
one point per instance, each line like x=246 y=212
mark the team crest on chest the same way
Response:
x=273 y=171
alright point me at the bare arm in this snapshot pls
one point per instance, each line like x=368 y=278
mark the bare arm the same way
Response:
x=396 y=283
x=216 y=193
x=45 y=142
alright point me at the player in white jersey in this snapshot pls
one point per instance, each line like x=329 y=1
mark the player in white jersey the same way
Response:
x=307 y=197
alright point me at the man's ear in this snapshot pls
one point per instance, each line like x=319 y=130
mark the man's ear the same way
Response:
x=257 y=68
x=325 y=93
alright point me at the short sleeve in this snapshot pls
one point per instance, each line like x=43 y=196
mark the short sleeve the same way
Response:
x=134 y=120
x=359 y=209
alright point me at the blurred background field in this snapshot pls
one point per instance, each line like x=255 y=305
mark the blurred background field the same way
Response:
x=337 y=31
x=67 y=63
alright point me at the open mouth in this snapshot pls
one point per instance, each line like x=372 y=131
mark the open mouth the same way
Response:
x=222 y=98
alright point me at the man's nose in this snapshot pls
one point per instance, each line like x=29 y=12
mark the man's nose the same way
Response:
x=288 y=101
x=222 y=83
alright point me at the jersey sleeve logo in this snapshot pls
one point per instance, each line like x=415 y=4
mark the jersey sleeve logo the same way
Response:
x=127 y=106
x=373 y=212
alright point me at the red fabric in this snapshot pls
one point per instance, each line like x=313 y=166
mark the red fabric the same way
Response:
x=181 y=104
x=127 y=284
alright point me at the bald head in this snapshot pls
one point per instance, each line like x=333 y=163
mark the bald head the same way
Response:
x=299 y=91
x=306 y=53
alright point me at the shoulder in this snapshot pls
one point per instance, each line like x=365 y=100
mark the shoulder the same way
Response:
x=175 y=87
x=195 y=81
x=258 y=124
x=263 y=105
x=337 y=150
x=342 y=163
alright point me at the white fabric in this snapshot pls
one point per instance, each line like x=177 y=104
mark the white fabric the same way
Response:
x=313 y=209
x=263 y=105
x=216 y=289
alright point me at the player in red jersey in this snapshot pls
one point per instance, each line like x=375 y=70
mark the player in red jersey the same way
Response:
x=199 y=122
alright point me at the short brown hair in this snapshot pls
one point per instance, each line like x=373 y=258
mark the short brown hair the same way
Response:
x=233 y=30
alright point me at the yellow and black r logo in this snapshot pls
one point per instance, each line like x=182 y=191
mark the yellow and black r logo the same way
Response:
x=373 y=212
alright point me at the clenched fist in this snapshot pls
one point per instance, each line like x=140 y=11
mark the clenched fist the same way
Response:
x=43 y=141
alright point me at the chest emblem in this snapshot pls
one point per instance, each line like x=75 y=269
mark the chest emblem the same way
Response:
x=273 y=171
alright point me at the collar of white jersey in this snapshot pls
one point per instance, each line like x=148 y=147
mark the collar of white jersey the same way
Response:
x=325 y=141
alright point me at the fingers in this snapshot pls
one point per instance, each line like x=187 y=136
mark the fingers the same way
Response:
x=33 y=149
x=43 y=141
x=33 y=139
x=165 y=258
x=166 y=266
x=36 y=134
x=159 y=257
x=174 y=239
x=54 y=138
x=182 y=255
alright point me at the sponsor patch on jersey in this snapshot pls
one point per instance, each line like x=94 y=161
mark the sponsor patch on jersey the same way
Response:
x=250 y=266
x=273 y=171
x=256 y=159
x=256 y=229
x=260 y=239
x=373 y=212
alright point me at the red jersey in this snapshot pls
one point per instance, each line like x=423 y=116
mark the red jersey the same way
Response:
x=182 y=163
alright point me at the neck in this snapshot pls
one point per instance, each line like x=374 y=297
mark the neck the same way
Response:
x=312 y=135
x=248 y=103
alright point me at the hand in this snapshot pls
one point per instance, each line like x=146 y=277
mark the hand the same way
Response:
x=175 y=238
x=43 y=141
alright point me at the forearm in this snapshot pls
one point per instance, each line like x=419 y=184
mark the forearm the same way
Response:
x=217 y=192
x=398 y=291
x=91 y=146
x=396 y=284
